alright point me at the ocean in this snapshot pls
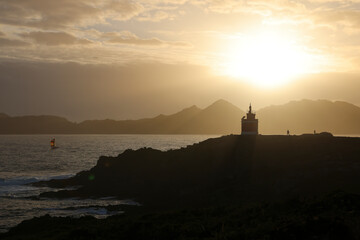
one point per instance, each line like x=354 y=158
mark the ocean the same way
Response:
x=29 y=158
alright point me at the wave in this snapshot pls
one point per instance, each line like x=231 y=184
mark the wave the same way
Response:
x=23 y=180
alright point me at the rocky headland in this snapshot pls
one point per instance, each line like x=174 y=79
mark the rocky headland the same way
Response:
x=232 y=187
x=223 y=170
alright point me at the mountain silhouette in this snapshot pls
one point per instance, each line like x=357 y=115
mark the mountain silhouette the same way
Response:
x=35 y=125
x=305 y=116
x=221 y=117
x=3 y=115
x=161 y=124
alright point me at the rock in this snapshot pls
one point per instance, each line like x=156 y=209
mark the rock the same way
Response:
x=227 y=169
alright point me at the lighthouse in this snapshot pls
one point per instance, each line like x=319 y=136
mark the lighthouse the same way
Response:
x=249 y=125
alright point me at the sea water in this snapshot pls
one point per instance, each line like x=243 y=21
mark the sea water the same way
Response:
x=28 y=158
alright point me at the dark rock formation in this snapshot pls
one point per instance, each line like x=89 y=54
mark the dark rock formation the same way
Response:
x=224 y=170
x=233 y=187
x=335 y=216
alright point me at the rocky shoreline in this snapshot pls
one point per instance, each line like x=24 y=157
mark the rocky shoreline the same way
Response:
x=226 y=169
x=245 y=176
x=335 y=216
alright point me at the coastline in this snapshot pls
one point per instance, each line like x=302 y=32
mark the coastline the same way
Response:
x=236 y=174
x=218 y=163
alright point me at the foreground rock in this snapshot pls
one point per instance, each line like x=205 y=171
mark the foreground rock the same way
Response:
x=233 y=187
x=224 y=170
x=335 y=216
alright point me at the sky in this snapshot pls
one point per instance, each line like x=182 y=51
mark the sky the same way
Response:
x=122 y=59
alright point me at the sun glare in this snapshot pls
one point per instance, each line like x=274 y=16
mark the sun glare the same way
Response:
x=267 y=60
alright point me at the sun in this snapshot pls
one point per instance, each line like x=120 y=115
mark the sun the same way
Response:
x=266 y=59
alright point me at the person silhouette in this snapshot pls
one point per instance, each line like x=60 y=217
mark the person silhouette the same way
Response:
x=288 y=132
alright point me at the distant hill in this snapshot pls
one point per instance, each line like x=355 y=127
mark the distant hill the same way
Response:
x=221 y=117
x=36 y=125
x=305 y=116
x=3 y=115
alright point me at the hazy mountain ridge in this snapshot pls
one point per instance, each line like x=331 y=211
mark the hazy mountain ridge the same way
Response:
x=307 y=115
x=3 y=115
x=221 y=117
x=36 y=124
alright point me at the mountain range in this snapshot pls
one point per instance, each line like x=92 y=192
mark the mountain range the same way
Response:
x=221 y=117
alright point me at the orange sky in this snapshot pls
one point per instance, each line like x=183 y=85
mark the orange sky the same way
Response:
x=129 y=59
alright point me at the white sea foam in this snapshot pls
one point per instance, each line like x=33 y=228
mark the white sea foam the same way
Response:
x=28 y=179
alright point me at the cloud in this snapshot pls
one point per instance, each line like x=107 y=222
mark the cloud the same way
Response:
x=156 y=16
x=172 y=2
x=55 y=38
x=47 y=14
x=126 y=37
x=350 y=17
x=262 y=7
x=123 y=10
x=321 y=25
x=5 y=42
